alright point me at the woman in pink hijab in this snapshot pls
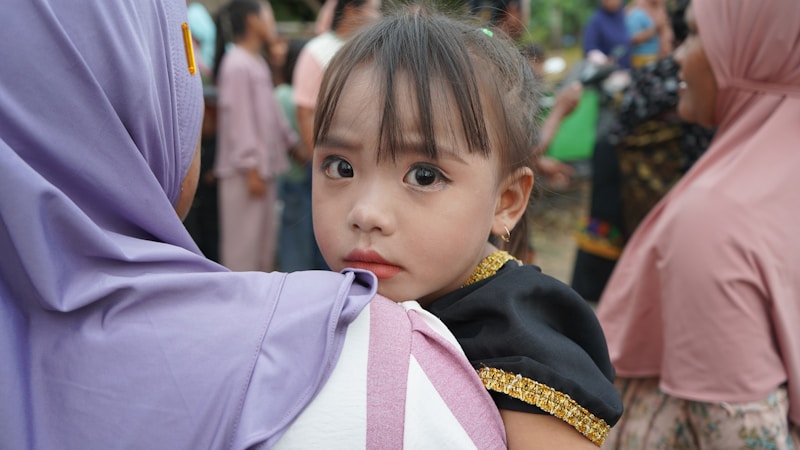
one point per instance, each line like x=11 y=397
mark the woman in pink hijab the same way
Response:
x=702 y=313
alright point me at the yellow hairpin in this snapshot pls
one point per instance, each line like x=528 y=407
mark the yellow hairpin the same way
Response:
x=187 y=44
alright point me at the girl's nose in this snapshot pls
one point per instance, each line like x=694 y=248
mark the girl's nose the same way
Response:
x=371 y=212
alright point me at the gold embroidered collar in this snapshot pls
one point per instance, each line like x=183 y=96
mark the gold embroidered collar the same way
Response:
x=489 y=266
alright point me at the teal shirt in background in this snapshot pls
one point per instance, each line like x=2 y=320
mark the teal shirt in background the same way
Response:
x=637 y=20
x=283 y=94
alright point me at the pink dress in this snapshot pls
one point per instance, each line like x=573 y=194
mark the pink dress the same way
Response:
x=252 y=134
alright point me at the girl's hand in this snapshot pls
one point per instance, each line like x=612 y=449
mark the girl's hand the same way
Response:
x=255 y=185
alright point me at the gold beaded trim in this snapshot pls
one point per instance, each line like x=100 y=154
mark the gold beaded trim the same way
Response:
x=489 y=266
x=548 y=399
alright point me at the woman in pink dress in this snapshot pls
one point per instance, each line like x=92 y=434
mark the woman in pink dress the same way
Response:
x=253 y=137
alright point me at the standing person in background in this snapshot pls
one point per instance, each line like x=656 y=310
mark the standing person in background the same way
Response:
x=253 y=137
x=646 y=22
x=296 y=245
x=646 y=151
x=607 y=33
x=204 y=33
x=324 y=17
x=666 y=33
x=348 y=17
x=655 y=147
x=702 y=309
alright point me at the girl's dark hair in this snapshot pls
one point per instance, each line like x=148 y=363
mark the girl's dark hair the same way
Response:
x=231 y=22
x=488 y=79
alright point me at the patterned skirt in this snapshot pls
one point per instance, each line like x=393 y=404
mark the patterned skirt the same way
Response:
x=655 y=420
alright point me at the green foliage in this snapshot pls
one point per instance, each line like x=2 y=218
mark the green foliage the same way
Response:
x=553 y=20
x=292 y=11
x=550 y=21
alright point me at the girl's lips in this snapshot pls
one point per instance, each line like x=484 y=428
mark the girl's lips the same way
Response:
x=372 y=261
x=382 y=271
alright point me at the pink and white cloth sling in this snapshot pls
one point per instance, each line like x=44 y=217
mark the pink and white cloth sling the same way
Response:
x=378 y=378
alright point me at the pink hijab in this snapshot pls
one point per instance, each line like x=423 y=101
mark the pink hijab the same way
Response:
x=706 y=295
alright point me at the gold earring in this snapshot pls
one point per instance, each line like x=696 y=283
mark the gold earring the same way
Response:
x=506 y=237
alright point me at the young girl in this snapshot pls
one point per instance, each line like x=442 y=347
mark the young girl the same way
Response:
x=253 y=137
x=422 y=150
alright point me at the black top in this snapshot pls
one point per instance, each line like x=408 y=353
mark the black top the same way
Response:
x=526 y=323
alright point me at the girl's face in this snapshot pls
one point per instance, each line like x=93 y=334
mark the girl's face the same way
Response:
x=420 y=225
x=698 y=93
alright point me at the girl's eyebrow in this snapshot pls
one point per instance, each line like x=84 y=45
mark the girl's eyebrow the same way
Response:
x=414 y=144
x=333 y=141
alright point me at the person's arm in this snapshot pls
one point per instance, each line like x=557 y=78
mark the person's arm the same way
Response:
x=566 y=102
x=666 y=37
x=640 y=28
x=554 y=171
x=552 y=360
x=307 y=80
x=644 y=35
x=236 y=103
x=541 y=432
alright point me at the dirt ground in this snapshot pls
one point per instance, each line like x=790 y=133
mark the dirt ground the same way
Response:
x=556 y=217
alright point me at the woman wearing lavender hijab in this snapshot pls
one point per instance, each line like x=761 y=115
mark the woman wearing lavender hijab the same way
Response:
x=115 y=332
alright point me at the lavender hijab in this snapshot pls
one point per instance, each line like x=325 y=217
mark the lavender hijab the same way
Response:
x=114 y=330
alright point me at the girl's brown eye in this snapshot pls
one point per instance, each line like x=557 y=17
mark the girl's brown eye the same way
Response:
x=425 y=175
x=336 y=167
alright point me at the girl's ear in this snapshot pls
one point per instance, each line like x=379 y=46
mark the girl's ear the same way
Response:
x=512 y=200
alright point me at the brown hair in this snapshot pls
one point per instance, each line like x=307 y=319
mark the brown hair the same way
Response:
x=489 y=79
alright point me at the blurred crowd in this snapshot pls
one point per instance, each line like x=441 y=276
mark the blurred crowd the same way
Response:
x=253 y=207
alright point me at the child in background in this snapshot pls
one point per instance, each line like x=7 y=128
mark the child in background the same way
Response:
x=423 y=141
x=297 y=249
x=253 y=137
